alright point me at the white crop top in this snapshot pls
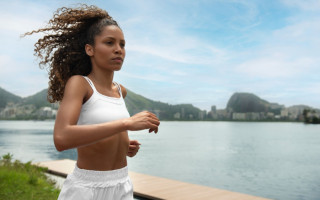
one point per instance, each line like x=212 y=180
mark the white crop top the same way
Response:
x=100 y=108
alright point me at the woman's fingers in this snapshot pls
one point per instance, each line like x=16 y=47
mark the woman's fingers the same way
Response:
x=144 y=120
x=132 y=147
x=154 y=122
x=134 y=142
x=130 y=154
x=155 y=130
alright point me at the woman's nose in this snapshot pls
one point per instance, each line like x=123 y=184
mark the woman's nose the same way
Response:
x=118 y=49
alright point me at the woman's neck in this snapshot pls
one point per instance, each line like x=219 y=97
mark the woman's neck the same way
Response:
x=102 y=78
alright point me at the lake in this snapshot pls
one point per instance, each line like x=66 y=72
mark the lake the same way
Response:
x=269 y=159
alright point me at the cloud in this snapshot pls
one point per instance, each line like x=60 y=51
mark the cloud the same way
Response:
x=10 y=22
x=306 y=5
x=289 y=52
x=188 y=51
x=21 y=78
x=275 y=66
x=275 y=60
x=150 y=77
x=303 y=34
x=20 y=17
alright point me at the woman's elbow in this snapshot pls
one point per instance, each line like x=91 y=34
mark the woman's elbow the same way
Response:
x=59 y=148
x=59 y=143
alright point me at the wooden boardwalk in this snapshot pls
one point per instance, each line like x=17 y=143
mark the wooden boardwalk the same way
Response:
x=152 y=187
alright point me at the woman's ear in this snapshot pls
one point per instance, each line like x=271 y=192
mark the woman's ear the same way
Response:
x=89 y=50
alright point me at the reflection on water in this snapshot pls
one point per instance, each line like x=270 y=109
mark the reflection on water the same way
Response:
x=31 y=141
x=273 y=160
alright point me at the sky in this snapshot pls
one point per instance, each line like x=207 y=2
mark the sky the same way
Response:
x=184 y=51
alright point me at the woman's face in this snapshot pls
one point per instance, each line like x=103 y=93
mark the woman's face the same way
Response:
x=108 y=52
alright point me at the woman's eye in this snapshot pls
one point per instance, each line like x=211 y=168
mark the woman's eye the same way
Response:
x=122 y=45
x=109 y=42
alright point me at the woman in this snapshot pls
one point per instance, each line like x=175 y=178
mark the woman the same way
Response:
x=84 y=47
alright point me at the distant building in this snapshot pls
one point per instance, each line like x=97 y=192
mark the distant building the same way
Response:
x=270 y=115
x=222 y=114
x=239 y=116
x=182 y=113
x=177 y=115
x=253 y=116
x=9 y=111
x=213 y=109
x=47 y=112
x=284 y=113
x=213 y=116
x=202 y=115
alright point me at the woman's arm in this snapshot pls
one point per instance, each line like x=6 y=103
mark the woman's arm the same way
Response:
x=67 y=134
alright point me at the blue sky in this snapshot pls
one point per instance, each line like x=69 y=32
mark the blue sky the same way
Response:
x=184 y=51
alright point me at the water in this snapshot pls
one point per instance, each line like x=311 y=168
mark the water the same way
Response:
x=272 y=160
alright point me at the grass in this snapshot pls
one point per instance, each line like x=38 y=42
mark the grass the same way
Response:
x=24 y=181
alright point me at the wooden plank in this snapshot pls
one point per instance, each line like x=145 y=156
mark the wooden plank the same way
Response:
x=153 y=187
x=163 y=188
x=59 y=167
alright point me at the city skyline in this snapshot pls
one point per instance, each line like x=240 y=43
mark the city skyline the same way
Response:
x=188 y=52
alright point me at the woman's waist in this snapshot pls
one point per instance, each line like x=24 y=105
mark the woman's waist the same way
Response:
x=99 y=178
x=103 y=156
x=103 y=160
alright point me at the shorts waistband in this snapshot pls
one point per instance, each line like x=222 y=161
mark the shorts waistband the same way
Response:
x=100 y=176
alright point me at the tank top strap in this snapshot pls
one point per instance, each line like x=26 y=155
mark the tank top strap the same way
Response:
x=119 y=88
x=90 y=83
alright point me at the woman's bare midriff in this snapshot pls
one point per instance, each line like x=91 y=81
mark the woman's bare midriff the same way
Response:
x=105 y=155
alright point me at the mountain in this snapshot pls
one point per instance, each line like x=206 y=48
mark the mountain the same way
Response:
x=38 y=100
x=247 y=102
x=6 y=97
x=134 y=102
x=32 y=107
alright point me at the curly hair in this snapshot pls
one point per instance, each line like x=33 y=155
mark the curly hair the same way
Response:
x=62 y=49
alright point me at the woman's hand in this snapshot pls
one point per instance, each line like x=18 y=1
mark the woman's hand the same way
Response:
x=134 y=147
x=143 y=120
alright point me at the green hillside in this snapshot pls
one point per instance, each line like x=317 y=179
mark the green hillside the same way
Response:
x=6 y=97
x=38 y=100
x=136 y=103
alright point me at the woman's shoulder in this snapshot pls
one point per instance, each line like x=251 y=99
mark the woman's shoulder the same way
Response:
x=77 y=83
x=76 y=78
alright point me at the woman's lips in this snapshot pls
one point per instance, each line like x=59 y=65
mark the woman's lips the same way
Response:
x=117 y=59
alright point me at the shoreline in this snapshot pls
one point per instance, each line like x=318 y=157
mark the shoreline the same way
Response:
x=161 y=188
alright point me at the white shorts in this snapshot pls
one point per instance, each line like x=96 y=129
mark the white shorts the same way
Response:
x=84 y=184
